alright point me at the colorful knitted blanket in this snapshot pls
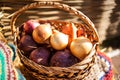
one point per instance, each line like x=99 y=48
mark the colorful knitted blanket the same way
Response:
x=7 y=69
x=106 y=66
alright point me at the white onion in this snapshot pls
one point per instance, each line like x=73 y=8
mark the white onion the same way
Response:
x=59 y=40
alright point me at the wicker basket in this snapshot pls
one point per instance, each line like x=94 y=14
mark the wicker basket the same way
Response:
x=86 y=69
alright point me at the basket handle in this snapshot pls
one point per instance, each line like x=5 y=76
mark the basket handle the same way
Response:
x=65 y=7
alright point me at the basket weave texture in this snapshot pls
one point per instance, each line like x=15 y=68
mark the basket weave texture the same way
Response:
x=85 y=70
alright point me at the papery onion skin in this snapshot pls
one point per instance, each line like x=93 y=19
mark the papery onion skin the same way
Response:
x=59 y=40
x=42 y=33
x=71 y=30
x=80 y=47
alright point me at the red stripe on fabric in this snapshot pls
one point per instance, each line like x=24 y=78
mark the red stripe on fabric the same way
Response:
x=108 y=75
x=7 y=60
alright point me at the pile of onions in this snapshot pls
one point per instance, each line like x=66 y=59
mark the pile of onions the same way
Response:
x=70 y=38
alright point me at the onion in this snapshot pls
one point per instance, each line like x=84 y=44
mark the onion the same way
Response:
x=26 y=43
x=40 y=55
x=63 y=58
x=30 y=25
x=42 y=33
x=80 y=47
x=59 y=40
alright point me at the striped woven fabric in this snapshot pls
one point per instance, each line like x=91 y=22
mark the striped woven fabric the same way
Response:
x=106 y=66
x=7 y=69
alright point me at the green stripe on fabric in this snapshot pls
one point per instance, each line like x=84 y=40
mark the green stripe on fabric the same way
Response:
x=2 y=66
x=13 y=48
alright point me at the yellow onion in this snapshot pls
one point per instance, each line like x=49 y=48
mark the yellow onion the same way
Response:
x=59 y=40
x=42 y=33
x=80 y=47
